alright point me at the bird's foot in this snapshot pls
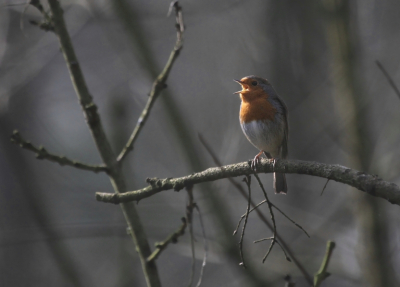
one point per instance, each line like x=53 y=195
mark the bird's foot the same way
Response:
x=273 y=163
x=256 y=161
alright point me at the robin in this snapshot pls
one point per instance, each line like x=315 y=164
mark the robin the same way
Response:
x=263 y=118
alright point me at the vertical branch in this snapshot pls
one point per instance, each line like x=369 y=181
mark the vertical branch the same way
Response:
x=93 y=120
x=189 y=218
x=205 y=244
x=321 y=275
x=247 y=180
x=352 y=111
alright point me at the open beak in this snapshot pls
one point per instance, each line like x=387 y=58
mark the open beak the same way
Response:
x=240 y=83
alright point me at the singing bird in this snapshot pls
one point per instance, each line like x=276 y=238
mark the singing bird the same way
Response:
x=263 y=118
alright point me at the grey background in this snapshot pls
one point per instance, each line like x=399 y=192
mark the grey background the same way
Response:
x=54 y=232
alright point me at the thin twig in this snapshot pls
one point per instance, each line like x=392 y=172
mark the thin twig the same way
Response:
x=291 y=220
x=159 y=83
x=263 y=239
x=205 y=244
x=189 y=217
x=172 y=238
x=46 y=23
x=42 y=153
x=244 y=215
x=271 y=212
x=368 y=183
x=258 y=212
x=247 y=180
x=391 y=82
x=325 y=186
x=321 y=275
x=284 y=251
x=284 y=214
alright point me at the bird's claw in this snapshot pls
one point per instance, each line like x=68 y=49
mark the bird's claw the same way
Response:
x=256 y=161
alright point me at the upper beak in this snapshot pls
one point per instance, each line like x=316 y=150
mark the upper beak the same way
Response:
x=239 y=82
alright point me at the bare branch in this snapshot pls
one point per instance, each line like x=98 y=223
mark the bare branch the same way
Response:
x=42 y=153
x=321 y=275
x=244 y=215
x=391 y=82
x=160 y=246
x=368 y=183
x=247 y=180
x=203 y=231
x=189 y=218
x=159 y=83
x=271 y=212
x=103 y=145
x=284 y=214
x=325 y=186
x=291 y=220
x=258 y=212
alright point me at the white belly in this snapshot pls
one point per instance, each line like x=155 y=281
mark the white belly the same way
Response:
x=266 y=135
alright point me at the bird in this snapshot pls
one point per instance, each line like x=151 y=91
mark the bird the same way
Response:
x=264 y=120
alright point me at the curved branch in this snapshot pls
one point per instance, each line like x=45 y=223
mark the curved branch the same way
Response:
x=368 y=183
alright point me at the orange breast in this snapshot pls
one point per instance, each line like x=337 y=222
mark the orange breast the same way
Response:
x=256 y=109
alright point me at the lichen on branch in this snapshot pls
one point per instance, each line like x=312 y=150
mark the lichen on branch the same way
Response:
x=368 y=183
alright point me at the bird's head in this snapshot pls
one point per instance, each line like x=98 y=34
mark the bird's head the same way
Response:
x=253 y=87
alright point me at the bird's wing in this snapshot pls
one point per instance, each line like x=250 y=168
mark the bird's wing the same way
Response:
x=284 y=151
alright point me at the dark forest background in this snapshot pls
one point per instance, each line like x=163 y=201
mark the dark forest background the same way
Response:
x=54 y=232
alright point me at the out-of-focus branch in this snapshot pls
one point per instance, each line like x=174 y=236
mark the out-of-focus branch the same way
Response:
x=368 y=183
x=42 y=153
x=353 y=106
x=159 y=83
x=103 y=145
x=189 y=215
x=173 y=237
x=388 y=77
x=321 y=275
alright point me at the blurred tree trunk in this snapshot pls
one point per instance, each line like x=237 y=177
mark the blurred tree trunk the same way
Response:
x=351 y=104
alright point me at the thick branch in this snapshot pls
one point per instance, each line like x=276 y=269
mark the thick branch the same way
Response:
x=370 y=184
x=159 y=83
x=42 y=153
x=102 y=143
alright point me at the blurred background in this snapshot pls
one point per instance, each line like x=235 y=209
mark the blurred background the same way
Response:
x=321 y=58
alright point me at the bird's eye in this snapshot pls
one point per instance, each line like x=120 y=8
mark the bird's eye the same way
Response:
x=254 y=83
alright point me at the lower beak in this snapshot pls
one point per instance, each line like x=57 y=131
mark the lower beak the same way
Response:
x=240 y=83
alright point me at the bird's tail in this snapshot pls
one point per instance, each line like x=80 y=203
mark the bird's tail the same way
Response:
x=280 y=183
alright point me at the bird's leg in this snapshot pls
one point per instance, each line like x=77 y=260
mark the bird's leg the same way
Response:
x=269 y=156
x=256 y=161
